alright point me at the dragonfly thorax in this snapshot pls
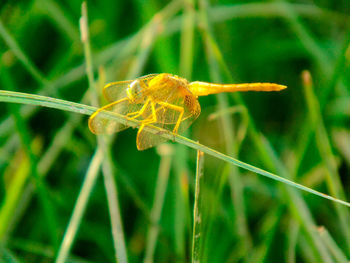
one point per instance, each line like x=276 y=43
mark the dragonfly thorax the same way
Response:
x=134 y=90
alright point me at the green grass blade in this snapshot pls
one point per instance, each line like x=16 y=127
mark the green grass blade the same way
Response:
x=23 y=98
x=187 y=35
x=306 y=38
x=57 y=14
x=110 y=186
x=79 y=208
x=42 y=188
x=197 y=211
x=231 y=143
x=292 y=239
x=332 y=246
x=221 y=13
x=333 y=179
x=114 y=210
x=29 y=65
x=165 y=152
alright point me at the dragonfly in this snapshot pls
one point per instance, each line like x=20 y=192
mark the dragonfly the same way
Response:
x=163 y=100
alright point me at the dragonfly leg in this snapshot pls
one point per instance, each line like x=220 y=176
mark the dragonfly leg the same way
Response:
x=176 y=108
x=153 y=115
x=148 y=120
x=137 y=114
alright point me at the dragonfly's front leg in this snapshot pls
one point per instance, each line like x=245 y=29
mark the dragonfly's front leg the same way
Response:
x=137 y=114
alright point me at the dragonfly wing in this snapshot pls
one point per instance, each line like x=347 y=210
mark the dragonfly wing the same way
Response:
x=99 y=123
x=117 y=90
x=147 y=140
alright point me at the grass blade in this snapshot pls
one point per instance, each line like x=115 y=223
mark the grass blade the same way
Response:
x=197 y=211
x=231 y=142
x=29 y=65
x=324 y=146
x=23 y=98
x=34 y=173
x=110 y=186
x=165 y=152
x=79 y=208
x=332 y=246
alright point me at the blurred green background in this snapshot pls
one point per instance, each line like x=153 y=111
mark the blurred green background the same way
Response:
x=49 y=157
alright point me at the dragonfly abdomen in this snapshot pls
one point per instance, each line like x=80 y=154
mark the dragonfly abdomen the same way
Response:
x=203 y=88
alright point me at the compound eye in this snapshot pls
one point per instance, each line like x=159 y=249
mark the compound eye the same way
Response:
x=135 y=86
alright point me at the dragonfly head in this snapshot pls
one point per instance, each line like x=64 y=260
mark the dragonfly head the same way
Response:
x=134 y=90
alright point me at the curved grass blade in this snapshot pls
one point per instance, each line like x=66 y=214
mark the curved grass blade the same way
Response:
x=24 y=98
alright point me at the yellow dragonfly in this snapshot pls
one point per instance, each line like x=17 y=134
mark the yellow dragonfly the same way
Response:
x=164 y=100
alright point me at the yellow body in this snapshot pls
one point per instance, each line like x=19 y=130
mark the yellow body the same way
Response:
x=163 y=100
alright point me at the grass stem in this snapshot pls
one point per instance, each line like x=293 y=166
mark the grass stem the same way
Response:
x=197 y=211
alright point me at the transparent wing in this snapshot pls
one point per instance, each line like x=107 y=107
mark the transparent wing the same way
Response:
x=115 y=91
x=147 y=140
x=99 y=123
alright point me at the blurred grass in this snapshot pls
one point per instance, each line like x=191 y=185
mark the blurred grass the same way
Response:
x=165 y=151
x=303 y=140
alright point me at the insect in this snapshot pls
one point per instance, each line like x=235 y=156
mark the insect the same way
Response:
x=164 y=100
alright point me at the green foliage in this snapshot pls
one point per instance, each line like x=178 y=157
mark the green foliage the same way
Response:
x=67 y=195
